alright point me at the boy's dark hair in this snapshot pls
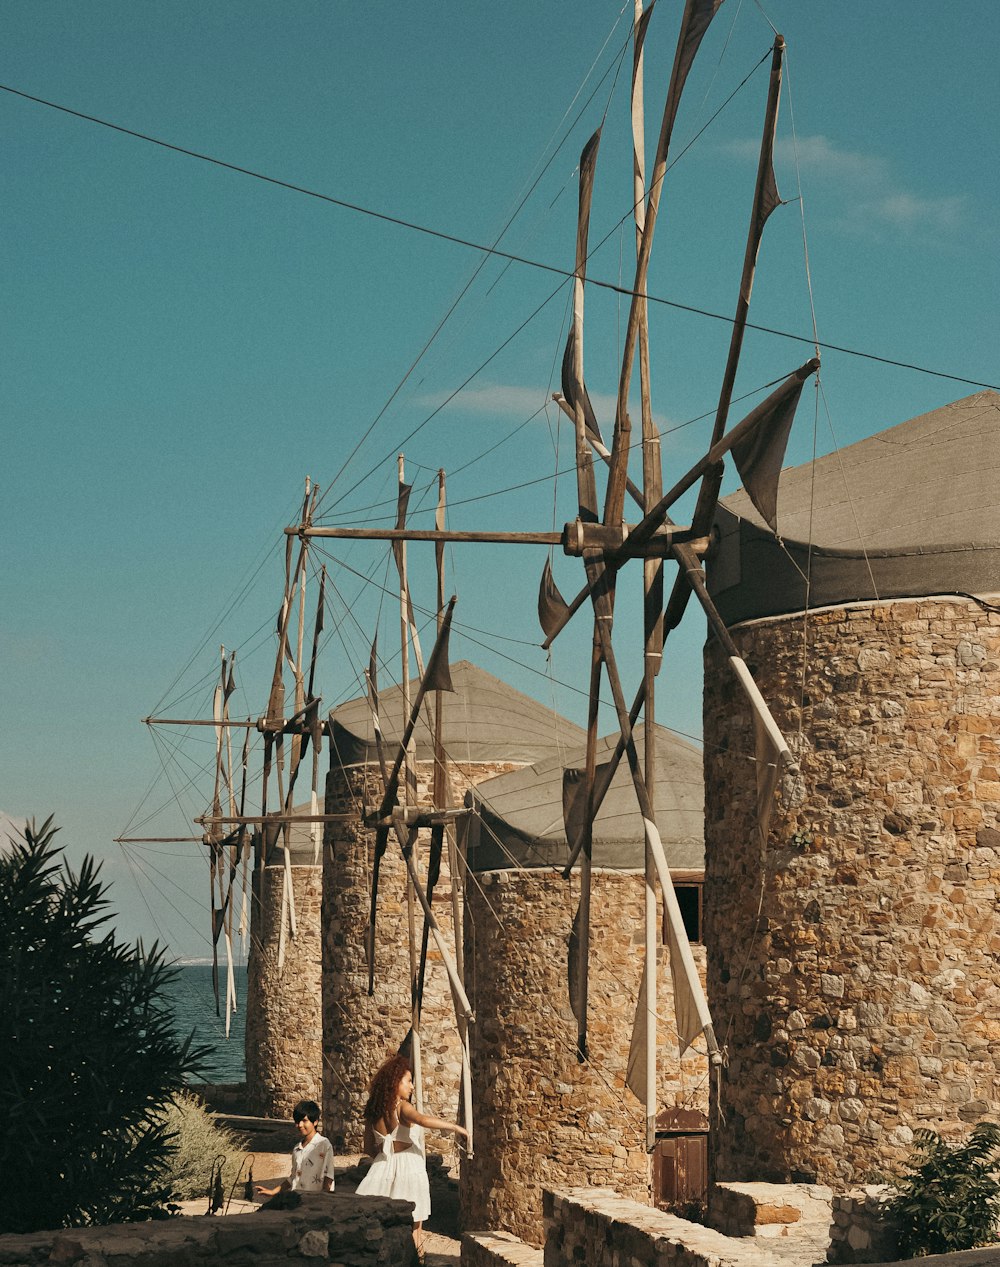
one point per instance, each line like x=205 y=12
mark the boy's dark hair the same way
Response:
x=306 y=1108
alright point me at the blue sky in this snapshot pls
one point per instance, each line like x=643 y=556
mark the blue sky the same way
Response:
x=184 y=344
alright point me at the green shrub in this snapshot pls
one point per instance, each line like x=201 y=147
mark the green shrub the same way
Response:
x=947 y=1198
x=90 y=1056
x=197 y=1145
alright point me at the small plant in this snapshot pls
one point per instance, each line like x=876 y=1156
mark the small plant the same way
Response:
x=197 y=1144
x=947 y=1199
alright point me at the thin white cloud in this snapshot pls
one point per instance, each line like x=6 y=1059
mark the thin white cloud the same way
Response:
x=508 y=400
x=865 y=181
x=906 y=210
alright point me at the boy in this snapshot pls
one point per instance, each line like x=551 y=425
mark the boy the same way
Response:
x=312 y=1157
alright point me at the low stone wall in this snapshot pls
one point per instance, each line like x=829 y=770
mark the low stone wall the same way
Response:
x=499 y=1249
x=747 y=1209
x=598 y=1227
x=338 y=1230
x=861 y=1232
x=221 y=1097
x=800 y=1215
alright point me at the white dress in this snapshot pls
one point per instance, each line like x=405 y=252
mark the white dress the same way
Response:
x=401 y=1175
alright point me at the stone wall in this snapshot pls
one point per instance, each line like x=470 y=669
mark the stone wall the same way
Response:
x=361 y=1030
x=602 y=1229
x=324 y=1229
x=861 y=1231
x=284 y=1025
x=853 y=963
x=794 y=1218
x=541 y=1117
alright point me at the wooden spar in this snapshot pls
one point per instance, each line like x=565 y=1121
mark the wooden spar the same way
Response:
x=764 y=193
x=652 y=485
x=604 y=634
x=611 y=768
x=405 y=761
x=293 y=581
x=613 y=540
x=764 y=201
x=382 y=835
x=262 y=820
x=317 y=727
x=687 y=45
x=417 y=816
x=288 y=727
x=244 y=924
x=215 y=856
x=587 y=512
x=158 y=840
x=226 y=740
x=428 y=534
x=441 y=803
x=462 y=1003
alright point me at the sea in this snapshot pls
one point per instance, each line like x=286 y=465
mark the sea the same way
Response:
x=193 y=1002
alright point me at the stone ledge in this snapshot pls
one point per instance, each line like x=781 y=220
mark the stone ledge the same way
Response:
x=499 y=1249
x=598 y=1227
x=747 y=1209
x=324 y=1228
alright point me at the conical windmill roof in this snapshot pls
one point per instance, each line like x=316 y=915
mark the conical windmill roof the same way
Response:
x=911 y=511
x=483 y=720
x=519 y=819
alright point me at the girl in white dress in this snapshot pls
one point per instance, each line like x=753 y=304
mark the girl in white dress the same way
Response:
x=394 y=1136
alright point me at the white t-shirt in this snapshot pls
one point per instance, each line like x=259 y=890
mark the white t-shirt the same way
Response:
x=311 y=1164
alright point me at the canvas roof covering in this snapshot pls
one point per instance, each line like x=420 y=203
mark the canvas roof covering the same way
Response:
x=300 y=841
x=519 y=822
x=483 y=720
x=911 y=511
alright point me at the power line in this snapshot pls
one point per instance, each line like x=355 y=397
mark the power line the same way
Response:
x=455 y=240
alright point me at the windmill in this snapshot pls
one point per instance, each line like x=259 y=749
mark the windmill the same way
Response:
x=605 y=542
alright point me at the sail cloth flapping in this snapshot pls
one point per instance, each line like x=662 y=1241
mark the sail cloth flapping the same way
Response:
x=760 y=452
x=552 y=607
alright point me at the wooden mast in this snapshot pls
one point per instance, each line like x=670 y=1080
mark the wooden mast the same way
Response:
x=408 y=756
x=653 y=596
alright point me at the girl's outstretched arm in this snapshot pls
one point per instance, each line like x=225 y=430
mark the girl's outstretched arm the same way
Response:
x=409 y=1114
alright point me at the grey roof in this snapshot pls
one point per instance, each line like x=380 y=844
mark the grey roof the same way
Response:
x=520 y=816
x=916 y=507
x=483 y=720
x=301 y=850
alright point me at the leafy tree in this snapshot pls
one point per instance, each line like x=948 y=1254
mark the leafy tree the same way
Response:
x=947 y=1199
x=90 y=1055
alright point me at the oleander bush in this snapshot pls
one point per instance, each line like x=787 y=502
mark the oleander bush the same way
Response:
x=198 y=1145
x=946 y=1199
x=90 y=1056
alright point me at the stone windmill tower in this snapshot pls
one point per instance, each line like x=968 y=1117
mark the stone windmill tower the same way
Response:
x=854 y=956
x=543 y=1118
x=488 y=729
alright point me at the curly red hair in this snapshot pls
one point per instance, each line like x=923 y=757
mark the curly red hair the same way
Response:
x=384 y=1090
